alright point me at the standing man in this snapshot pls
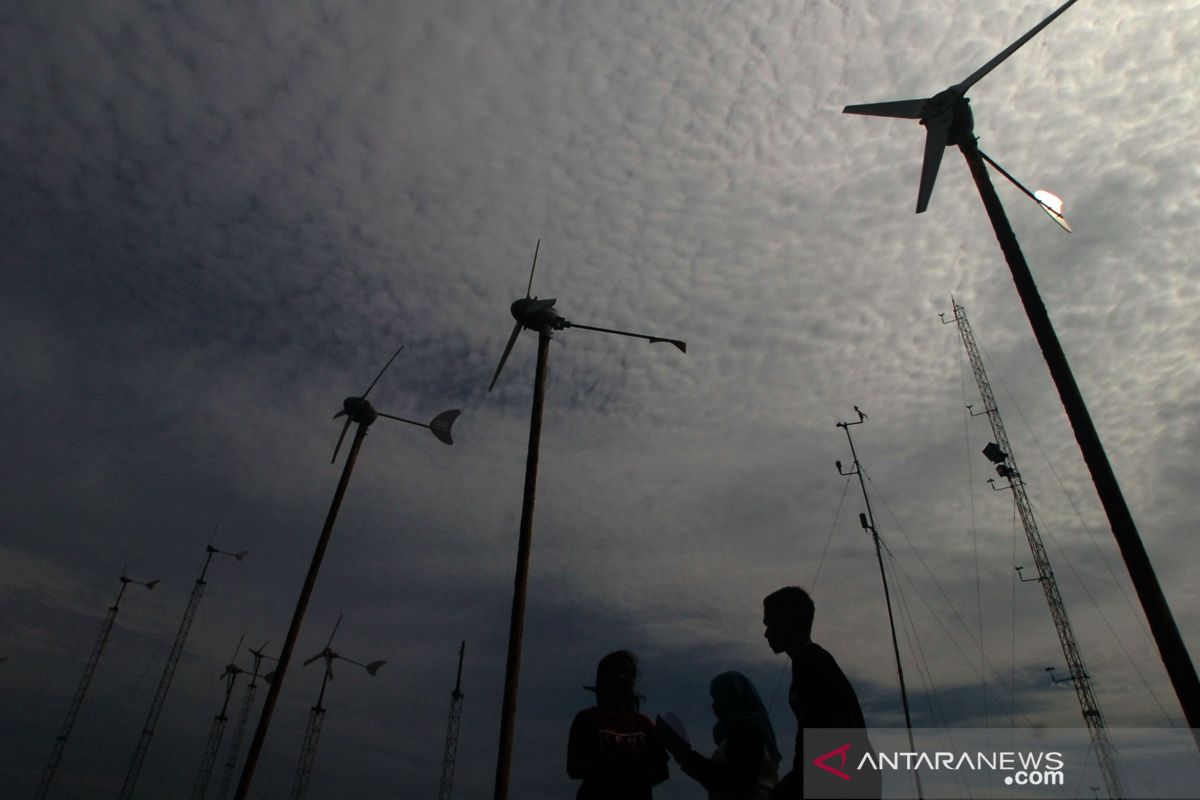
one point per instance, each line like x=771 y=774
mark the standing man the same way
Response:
x=821 y=697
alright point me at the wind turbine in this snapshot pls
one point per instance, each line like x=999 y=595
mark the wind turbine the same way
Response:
x=948 y=121
x=239 y=729
x=316 y=716
x=209 y=759
x=89 y=670
x=164 y=682
x=536 y=315
x=355 y=409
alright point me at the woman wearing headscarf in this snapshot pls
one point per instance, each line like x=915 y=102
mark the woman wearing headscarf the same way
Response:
x=612 y=747
x=745 y=764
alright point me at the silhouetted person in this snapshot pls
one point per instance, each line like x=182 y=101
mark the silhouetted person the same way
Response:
x=745 y=765
x=612 y=748
x=821 y=697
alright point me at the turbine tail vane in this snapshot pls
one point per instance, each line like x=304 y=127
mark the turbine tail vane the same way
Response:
x=441 y=424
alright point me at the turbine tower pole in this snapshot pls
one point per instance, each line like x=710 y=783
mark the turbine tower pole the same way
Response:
x=868 y=523
x=164 y=683
x=73 y=711
x=516 y=630
x=451 y=751
x=289 y=642
x=1170 y=643
x=1007 y=468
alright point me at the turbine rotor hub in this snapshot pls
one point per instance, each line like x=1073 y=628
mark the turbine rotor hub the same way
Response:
x=359 y=410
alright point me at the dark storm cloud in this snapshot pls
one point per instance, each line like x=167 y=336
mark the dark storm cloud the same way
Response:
x=220 y=221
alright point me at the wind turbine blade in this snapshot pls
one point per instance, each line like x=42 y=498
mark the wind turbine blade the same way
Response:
x=442 y=423
x=374 y=666
x=380 y=375
x=537 y=247
x=345 y=428
x=331 y=633
x=937 y=133
x=507 y=349
x=901 y=109
x=1008 y=51
x=306 y=663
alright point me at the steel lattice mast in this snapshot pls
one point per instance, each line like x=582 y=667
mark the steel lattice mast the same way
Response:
x=1001 y=454
x=93 y=660
x=239 y=730
x=451 y=751
x=308 y=751
x=164 y=683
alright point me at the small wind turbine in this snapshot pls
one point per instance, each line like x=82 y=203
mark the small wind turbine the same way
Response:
x=89 y=669
x=540 y=316
x=355 y=409
x=948 y=121
x=239 y=729
x=209 y=759
x=316 y=716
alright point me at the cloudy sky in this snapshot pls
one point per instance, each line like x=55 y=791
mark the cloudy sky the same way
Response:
x=220 y=219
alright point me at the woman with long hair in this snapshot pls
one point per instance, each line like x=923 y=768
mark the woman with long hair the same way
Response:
x=612 y=747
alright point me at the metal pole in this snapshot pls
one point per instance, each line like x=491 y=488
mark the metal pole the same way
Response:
x=264 y=720
x=516 y=630
x=1171 y=648
x=886 y=596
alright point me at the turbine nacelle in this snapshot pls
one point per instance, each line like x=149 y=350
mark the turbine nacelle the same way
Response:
x=535 y=314
x=359 y=410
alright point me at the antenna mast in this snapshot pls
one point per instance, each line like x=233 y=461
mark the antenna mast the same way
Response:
x=93 y=660
x=164 y=683
x=867 y=521
x=1000 y=453
x=456 y=698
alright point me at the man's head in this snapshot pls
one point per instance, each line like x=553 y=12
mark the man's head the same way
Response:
x=788 y=617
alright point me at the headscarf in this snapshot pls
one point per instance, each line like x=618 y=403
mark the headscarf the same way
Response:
x=735 y=698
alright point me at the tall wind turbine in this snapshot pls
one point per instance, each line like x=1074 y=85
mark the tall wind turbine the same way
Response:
x=539 y=316
x=164 y=683
x=354 y=409
x=948 y=121
x=89 y=669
